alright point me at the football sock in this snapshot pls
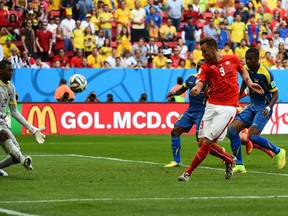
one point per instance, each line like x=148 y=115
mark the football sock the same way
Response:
x=235 y=143
x=200 y=155
x=176 y=147
x=264 y=143
x=6 y=162
x=14 y=151
x=217 y=151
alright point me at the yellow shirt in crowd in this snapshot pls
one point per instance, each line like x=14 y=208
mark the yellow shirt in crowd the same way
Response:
x=237 y=31
x=79 y=38
x=106 y=16
x=95 y=61
x=241 y=51
x=160 y=63
x=122 y=15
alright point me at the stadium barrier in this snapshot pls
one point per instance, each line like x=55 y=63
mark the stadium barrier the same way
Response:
x=126 y=85
x=120 y=118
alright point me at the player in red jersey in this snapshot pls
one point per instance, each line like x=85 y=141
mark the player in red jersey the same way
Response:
x=221 y=74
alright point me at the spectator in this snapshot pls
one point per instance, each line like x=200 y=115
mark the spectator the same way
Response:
x=68 y=24
x=188 y=34
x=252 y=31
x=69 y=7
x=112 y=59
x=106 y=19
x=191 y=13
x=139 y=57
x=106 y=49
x=197 y=53
x=278 y=65
x=167 y=50
x=62 y=58
x=241 y=51
x=152 y=50
x=243 y=13
x=226 y=50
x=57 y=21
x=250 y=8
x=85 y=7
x=182 y=64
x=277 y=40
x=89 y=41
x=138 y=17
x=94 y=59
x=27 y=61
x=13 y=26
x=223 y=37
x=264 y=41
x=77 y=37
x=19 y=5
x=167 y=31
x=123 y=41
x=95 y=19
x=39 y=64
x=154 y=16
x=57 y=64
x=7 y=48
x=122 y=17
x=190 y=61
x=276 y=20
x=109 y=98
x=92 y=98
x=152 y=30
x=76 y=61
x=4 y=34
x=52 y=27
x=59 y=40
x=200 y=6
x=168 y=64
x=99 y=39
x=140 y=45
x=182 y=48
x=182 y=97
x=217 y=18
x=225 y=16
x=85 y=63
x=148 y=7
x=30 y=15
x=266 y=17
x=175 y=57
x=3 y=14
x=174 y=10
x=61 y=90
x=14 y=58
x=280 y=9
x=261 y=51
x=87 y=22
x=273 y=50
x=28 y=38
x=41 y=13
x=160 y=60
x=118 y=63
x=237 y=31
x=268 y=61
x=282 y=49
x=210 y=30
x=44 y=42
x=283 y=30
x=285 y=64
x=128 y=60
x=106 y=64
x=215 y=5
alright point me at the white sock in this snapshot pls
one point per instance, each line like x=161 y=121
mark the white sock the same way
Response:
x=14 y=151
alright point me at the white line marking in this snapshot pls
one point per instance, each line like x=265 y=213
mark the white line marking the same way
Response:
x=11 y=212
x=147 y=162
x=143 y=199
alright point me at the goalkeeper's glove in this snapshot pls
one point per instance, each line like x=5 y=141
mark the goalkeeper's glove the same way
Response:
x=7 y=118
x=39 y=137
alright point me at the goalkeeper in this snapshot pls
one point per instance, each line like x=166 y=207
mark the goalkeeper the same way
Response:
x=7 y=140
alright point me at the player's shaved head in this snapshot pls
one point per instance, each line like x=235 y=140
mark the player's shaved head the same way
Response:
x=253 y=52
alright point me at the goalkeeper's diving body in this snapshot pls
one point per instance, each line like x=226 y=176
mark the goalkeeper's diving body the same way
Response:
x=7 y=140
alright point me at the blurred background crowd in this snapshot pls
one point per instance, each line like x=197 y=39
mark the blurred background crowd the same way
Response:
x=138 y=33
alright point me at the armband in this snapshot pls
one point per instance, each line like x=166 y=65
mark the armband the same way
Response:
x=268 y=108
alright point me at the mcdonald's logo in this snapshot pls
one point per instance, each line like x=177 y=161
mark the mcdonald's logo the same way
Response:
x=42 y=116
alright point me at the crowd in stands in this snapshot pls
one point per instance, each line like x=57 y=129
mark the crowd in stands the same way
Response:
x=138 y=33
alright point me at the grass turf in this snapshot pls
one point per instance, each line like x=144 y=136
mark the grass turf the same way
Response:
x=124 y=175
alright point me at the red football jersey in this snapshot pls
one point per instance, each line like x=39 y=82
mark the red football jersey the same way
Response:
x=222 y=78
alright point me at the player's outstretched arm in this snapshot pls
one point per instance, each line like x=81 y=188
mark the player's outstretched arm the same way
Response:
x=253 y=86
x=39 y=137
x=178 y=92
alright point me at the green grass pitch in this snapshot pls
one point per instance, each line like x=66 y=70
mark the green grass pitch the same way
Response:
x=124 y=175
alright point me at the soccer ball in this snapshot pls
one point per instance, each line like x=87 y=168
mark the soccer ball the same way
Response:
x=77 y=83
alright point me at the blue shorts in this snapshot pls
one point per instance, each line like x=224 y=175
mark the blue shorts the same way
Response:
x=187 y=120
x=252 y=115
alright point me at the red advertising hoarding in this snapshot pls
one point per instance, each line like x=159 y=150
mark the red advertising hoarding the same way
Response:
x=104 y=118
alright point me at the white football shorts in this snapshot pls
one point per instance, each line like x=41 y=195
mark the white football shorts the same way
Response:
x=215 y=121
